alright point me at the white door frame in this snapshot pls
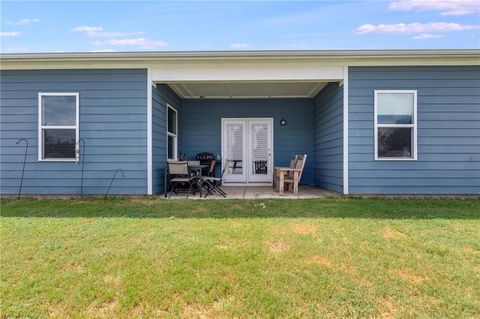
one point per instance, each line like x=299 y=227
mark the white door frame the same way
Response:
x=240 y=179
x=246 y=151
x=253 y=178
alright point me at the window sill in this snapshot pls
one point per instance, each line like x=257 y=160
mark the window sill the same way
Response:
x=395 y=159
x=58 y=160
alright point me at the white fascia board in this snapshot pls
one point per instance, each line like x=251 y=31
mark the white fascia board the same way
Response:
x=164 y=59
x=244 y=54
x=246 y=71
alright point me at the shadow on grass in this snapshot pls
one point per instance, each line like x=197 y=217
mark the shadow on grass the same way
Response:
x=341 y=207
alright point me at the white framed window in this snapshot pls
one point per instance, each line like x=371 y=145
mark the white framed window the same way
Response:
x=58 y=129
x=395 y=124
x=172 y=133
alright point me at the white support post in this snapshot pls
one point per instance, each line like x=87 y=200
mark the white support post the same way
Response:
x=149 y=134
x=345 y=130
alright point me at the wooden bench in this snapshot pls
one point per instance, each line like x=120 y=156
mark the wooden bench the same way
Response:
x=289 y=176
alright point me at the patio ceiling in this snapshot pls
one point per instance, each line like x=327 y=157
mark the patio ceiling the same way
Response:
x=264 y=89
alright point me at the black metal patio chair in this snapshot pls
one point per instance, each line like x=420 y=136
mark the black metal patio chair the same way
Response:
x=213 y=184
x=180 y=176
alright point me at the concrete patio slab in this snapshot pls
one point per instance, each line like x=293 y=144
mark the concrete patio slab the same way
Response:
x=265 y=192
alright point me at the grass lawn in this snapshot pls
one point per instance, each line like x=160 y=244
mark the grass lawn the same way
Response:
x=324 y=258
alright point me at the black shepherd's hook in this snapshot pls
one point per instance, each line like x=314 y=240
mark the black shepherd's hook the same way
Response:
x=82 y=155
x=24 y=161
x=111 y=182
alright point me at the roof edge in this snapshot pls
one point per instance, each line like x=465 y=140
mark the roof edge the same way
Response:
x=266 y=54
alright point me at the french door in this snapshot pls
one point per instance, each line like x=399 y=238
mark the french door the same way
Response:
x=247 y=150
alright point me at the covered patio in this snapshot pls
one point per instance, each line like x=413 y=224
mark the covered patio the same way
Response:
x=254 y=119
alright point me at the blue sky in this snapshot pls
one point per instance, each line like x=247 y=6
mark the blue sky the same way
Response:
x=70 y=26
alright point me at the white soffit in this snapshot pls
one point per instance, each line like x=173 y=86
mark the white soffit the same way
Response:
x=221 y=90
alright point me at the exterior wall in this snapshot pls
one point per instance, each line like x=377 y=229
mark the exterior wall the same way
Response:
x=201 y=126
x=448 y=131
x=328 y=138
x=161 y=95
x=113 y=121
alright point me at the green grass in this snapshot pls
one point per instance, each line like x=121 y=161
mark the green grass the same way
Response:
x=327 y=258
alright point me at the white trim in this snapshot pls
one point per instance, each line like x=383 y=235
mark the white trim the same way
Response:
x=225 y=89
x=72 y=127
x=17 y=61
x=240 y=179
x=244 y=54
x=251 y=71
x=345 y=131
x=269 y=176
x=149 y=134
x=171 y=134
x=57 y=127
x=240 y=97
x=414 y=125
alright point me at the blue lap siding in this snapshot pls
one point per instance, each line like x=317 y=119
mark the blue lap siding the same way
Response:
x=328 y=137
x=113 y=117
x=161 y=95
x=448 y=131
x=113 y=122
x=201 y=126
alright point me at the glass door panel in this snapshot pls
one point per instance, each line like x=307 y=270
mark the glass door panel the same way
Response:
x=234 y=143
x=260 y=151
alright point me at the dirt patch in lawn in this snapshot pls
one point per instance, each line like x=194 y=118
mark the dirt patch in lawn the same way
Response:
x=389 y=233
x=304 y=229
x=108 y=306
x=57 y=311
x=104 y=310
x=197 y=311
x=278 y=246
x=113 y=280
x=321 y=261
x=137 y=311
x=215 y=310
x=388 y=310
x=468 y=250
x=351 y=269
x=409 y=275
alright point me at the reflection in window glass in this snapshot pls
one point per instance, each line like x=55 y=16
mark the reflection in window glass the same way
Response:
x=171 y=147
x=172 y=121
x=234 y=150
x=171 y=133
x=394 y=142
x=59 y=143
x=395 y=108
x=58 y=110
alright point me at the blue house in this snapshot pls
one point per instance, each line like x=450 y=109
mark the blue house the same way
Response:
x=371 y=122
